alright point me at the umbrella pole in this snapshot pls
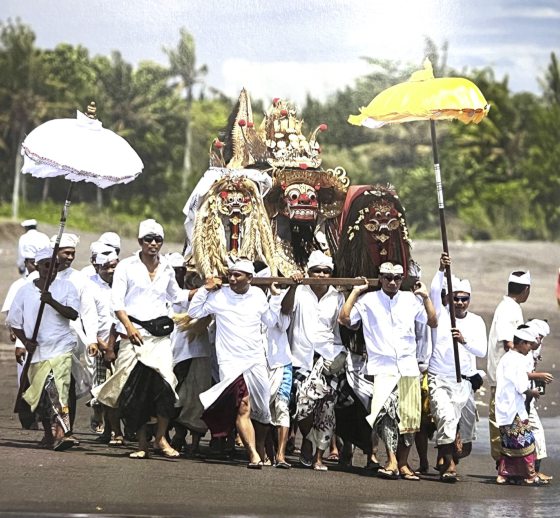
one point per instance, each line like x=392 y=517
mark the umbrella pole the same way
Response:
x=20 y=404
x=441 y=205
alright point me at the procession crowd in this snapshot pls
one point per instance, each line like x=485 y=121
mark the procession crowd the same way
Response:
x=165 y=355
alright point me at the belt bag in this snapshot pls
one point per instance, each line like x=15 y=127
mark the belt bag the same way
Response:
x=160 y=326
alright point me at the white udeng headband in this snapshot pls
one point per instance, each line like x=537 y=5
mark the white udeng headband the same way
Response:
x=522 y=279
x=528 y=334
x=395 y=269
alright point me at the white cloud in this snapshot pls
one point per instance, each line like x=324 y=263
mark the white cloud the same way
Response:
x=289 y=79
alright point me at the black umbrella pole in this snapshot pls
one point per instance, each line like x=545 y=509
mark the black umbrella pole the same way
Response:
x=24 y=379
x=443 y=228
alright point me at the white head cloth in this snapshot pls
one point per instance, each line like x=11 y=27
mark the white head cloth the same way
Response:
x=243 y=265
x=529 y=334
x=97 y=247
x=176 y=260
x=67 y=240
x=540 y=326
x=43 y=253
x=29 y=223
x=461 y=285
x=318 y=258
x=395 y=269
x=28 y=250
x=523 y=279
x=111 y=239
x=101 y=259
x=265 y=272
x=150 y=226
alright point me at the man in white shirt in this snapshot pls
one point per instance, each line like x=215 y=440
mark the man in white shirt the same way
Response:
x=108 y=242
x=507 y=317
x=31 y=237
x=243 y=392
x=143 y=384
x=389 y=317
x=318 y=356
x=191 y=364
x=51 y=362
x=448 y=398
x=85 y=326
x=517 y=453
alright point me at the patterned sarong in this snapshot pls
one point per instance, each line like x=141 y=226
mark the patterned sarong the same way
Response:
x=518 y=450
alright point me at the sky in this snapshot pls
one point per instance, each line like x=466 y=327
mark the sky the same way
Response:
x=288 y=48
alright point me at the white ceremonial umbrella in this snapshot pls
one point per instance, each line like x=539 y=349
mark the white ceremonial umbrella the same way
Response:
x=78 y=149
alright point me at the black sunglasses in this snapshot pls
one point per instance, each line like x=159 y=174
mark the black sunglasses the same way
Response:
x=390 y=278
x=464 y=298
x=320 y=270
x=149 y=238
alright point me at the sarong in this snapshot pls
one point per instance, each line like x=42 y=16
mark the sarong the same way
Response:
x=447 y=400
x=399 y=414
x=280 y=390
x=221 y=415
x=518 y=450
x=194 y=377
x=538 y=431
x=145 y=394
x=316 y=397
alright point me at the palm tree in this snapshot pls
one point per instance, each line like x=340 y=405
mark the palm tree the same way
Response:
x=182 y=61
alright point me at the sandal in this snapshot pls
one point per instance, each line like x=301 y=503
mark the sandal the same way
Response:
x=255 y=465
x=408 y=474
x=449 y=477
x=63 y=444
x=333 y=457
x=117 y=441
x=305 y=462
x=282 y=465
x=320 y=467
x=140 y=454
x=168 y=452
x=388 y=474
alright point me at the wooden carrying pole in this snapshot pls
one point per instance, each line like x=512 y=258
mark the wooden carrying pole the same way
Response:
x=441 y=205
x=313 y=281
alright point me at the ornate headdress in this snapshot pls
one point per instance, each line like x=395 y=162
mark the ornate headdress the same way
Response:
x=373 y=230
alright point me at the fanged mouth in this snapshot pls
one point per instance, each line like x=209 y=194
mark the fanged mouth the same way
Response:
x=300 y=213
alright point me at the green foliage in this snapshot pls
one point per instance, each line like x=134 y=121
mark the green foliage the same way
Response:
x=500 y=178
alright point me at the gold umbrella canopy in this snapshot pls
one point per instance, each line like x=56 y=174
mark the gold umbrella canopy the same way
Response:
x=424 y=97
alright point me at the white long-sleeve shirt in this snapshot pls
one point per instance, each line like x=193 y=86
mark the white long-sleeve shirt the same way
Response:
x=507 y=317
x=278 y=352
x=239 y=324
x=442 y=361
x=512 y=381
x=85 y=326
x=389 y=331
x=134 y=292
x=314 y=328
x=101 y=293
x=55 y=336
x=473 y=329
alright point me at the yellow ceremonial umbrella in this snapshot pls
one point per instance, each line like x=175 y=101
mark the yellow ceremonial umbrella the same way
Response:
x=421 y=98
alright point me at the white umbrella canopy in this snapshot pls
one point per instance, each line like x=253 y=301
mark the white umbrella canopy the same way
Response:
x=80 y=149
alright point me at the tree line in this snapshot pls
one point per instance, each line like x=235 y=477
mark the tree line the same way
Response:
x=500 y=178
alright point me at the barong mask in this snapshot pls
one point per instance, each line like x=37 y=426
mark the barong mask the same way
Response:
x=234 y=200
x=373 y=231
x=300 y=202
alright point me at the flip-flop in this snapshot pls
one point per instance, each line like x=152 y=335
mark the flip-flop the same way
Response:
x=409 y=476
x=255 y=465
x=117 y=441
x=320 y=467
x=168 y=453
x=63 y=444
x=388 y=474
x=282 y=465
x=333 y=457
x=140 y=454
x=449 y=477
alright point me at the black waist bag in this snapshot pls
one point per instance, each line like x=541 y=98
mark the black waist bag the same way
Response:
x=160 y=326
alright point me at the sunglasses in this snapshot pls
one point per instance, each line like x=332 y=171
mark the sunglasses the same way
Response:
x=395 y=278
x=320 y=270
x=148 y=239
x=464 y=298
